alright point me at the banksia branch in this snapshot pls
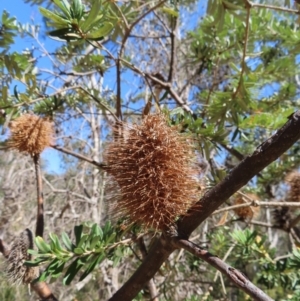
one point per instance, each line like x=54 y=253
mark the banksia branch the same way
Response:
x=155 y=169
x=31 y=134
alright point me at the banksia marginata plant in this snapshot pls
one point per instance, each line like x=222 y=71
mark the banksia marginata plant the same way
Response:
x=16 y=271
x=30 y=134
x=155 y=169
x=293 y=180
x=246 y=213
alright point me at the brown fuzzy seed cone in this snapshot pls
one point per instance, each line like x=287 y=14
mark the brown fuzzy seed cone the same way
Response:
x=16 y=271
x=154 y=167
x=282 y=217
x=30 y=134
x=246 y=213
x=293 y=179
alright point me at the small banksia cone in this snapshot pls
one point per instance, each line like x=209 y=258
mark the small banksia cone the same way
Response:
x=246 y=213
x=282 y=217
x=154 y=168
x=30 y=134
x=16 y=271
x=293 y=180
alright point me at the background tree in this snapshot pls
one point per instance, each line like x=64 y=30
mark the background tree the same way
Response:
x=226 y=76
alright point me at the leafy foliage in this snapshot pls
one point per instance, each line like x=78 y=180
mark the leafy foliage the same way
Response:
x=228 y=80
x=93 y=245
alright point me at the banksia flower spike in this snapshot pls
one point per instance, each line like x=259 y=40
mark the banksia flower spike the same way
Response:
x=30 y=134
x=16 y=271
x=293 y=180
x=246 y=213
x=154 y=167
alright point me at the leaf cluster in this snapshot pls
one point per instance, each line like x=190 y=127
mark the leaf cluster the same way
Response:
x=92 y=245
x=72 y=22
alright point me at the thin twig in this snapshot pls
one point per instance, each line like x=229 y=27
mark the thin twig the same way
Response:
x=243 y=64
x=163 y=84
x=151 y=285
x=79 y=156
x=104 y=106
x=174 y=22
x=255 y=203
x=267 y=6
x=234 y=275
x=121 y=51
x=27 y=103
x=233 y=151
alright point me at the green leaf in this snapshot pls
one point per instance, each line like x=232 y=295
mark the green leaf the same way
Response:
x=93 y=17
x=64 y=34
x=4 y=94
x=177 y=111
x=170 y=11
x=72 y=270
x=44 y=275
x=66 y=240
x=77 y=10
x=42 y=245
x=101 y=32
x=78 y=251
x=36 y=261
x=95 y=230
x=55 y=242
x=57 y=19
x=64 y=6
x=33 y=252
x=92 y=266
x=84 y=239
x=16 y=92
x=56 y=268
x=95 y=240
x=78 y=232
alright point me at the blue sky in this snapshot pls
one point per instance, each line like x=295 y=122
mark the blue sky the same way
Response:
x=25 y=13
